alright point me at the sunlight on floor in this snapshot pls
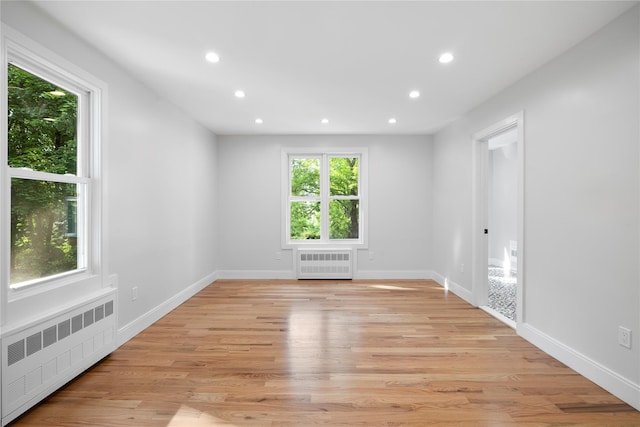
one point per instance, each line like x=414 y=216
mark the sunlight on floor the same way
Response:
x=190 y=417
x=391 y=287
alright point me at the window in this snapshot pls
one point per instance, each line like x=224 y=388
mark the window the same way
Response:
x=324 y=197
x=52 y=194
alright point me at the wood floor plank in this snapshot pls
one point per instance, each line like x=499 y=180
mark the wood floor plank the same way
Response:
x=329 y=353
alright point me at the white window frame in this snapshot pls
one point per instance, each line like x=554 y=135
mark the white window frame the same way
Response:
x=324 y=154
x=32 y=57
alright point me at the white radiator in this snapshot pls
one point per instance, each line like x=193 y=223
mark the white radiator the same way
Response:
x=324 y=264
x=40 y=357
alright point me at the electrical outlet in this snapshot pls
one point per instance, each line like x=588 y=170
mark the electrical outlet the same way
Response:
x=624 y=337
x=371 y=255
x=461 y=268
x=278 y=255
x=134 y=293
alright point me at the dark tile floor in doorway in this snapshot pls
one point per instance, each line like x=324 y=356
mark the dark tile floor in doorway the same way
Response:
x=502 y=292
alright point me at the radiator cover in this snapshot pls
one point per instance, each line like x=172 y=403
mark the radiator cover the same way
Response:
x=40 y=357
x=324 y=263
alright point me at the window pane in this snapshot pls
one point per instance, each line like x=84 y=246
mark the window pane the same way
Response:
x=44 y=240
x=305 y=220
x=343 y=176
x=42 y=124
x=305 y=177
x=344 y=217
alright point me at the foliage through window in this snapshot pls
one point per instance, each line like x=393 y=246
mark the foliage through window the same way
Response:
x=324 y=198
x=48 y=186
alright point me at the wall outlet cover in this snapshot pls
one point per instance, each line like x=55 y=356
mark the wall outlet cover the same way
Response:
x=624 y=337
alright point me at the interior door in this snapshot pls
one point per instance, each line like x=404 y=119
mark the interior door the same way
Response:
x=498 y=236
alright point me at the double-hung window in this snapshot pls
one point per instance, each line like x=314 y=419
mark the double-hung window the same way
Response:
x=51 y=194
x=324 y=195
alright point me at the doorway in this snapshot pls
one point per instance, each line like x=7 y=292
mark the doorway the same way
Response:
x=498 y=157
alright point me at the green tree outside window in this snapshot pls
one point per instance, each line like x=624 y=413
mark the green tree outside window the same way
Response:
x=42 y=136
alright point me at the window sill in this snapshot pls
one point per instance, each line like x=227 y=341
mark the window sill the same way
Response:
x=334 y=244
x=35 y=287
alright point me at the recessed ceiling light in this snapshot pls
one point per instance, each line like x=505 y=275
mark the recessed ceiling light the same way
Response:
x=325 y=121
x=445 y=58
x=212 y=57
x=392 y=121
x=239 y=94
x=414 y=94
x=259 y=121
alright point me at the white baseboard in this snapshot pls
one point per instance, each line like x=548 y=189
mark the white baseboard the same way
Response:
x=257 y=274
x=393 y=275
x=496 y=261
x=621 y=387
x=147 y=319
x=617 y=385
x=457 y=289
x=601 y=375
x=358 y=275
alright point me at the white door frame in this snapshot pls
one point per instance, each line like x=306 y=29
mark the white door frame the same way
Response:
x=479 y=256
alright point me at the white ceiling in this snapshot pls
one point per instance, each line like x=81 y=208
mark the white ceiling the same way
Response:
x=351 y=62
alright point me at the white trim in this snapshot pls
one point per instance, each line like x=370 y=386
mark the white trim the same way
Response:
x=26 y=173
x=257 y=274
x=496 y=261
x=363 y=196
x=18 y=41
x=5 y=184
x=611 y=381
x=357 y=275
x=501 y=317
x=138 y=325
x=450 y=285
x=393 y=275
x=479 y=212
x=92 y=96
x=55 y=311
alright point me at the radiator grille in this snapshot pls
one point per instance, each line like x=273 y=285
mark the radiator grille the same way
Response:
x=34 y=343
x=324 y=263
x=76 y=323
x=64 y=329
x=15 y=352
x=46 y=354
x=49 y=336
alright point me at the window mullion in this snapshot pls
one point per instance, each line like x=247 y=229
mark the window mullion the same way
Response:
x=324 y=194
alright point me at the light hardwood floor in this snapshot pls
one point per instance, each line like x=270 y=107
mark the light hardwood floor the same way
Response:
x=330 y=353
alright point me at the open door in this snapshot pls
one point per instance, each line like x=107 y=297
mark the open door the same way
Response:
x=498 y=238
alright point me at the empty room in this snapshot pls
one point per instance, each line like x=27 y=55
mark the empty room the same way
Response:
x=338 y=213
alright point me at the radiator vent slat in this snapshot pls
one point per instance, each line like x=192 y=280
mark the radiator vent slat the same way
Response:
x=64 y=329
x=108 y=309
x=88 y=318
x=49 y=336
x=15 y=352
x=324 y=264
x=34 y=343
x=76 y=323
x=99 y=313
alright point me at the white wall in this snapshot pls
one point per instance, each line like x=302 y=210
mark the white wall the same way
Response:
x=160 y=181
x=581 y=134
x=399 y=204
x=176 y=197
x=503 y=201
